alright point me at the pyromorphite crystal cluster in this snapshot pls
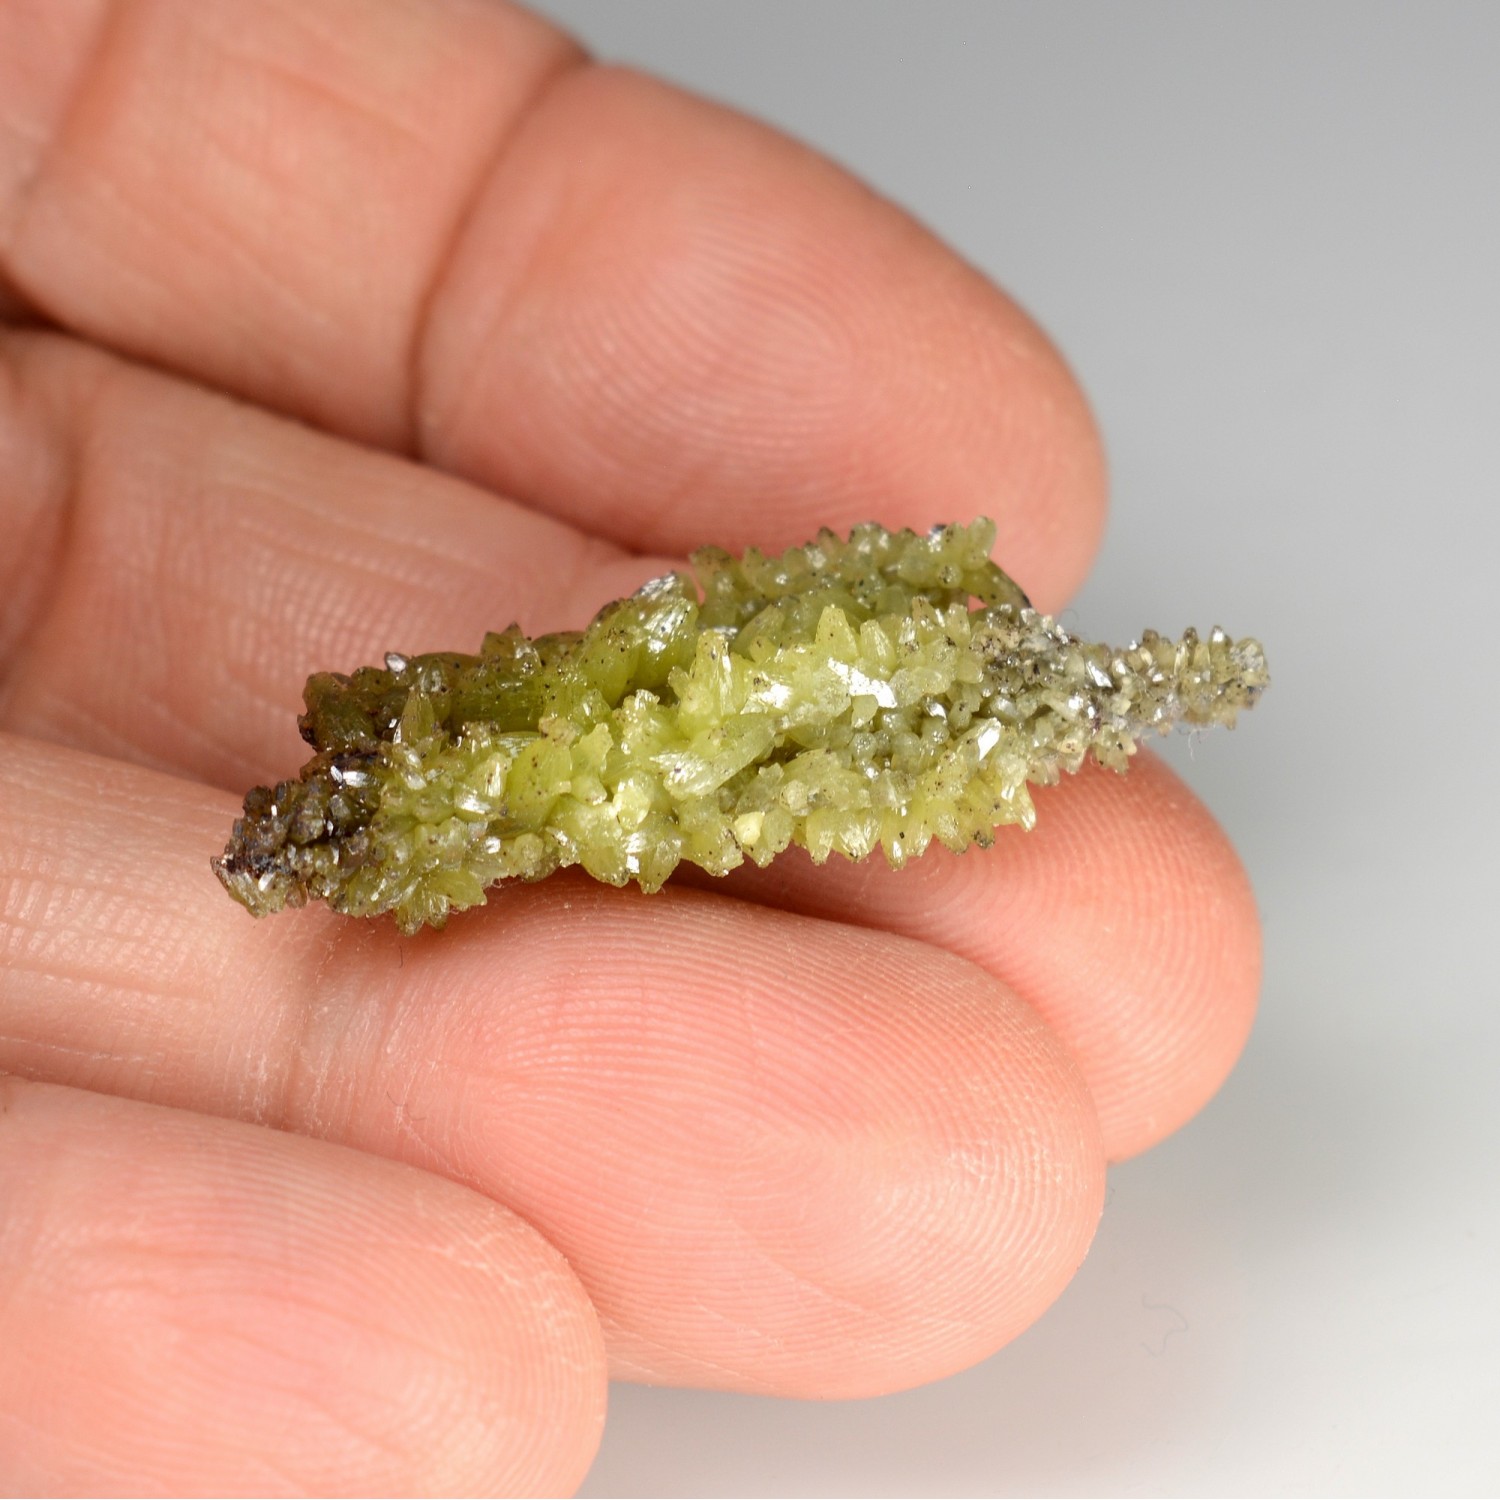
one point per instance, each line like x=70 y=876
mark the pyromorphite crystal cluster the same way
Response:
x=881 y=691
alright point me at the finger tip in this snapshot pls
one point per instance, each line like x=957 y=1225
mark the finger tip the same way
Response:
x=1124 y=918
x=767 y=347
x=1188 y=915
x=905 y=1166
x=961 y=1238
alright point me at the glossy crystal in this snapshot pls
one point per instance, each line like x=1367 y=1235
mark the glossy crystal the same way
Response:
x=875 y=692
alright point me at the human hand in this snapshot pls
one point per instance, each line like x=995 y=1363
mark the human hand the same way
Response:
x=304 y=1205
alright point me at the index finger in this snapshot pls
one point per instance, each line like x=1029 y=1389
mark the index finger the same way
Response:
x=449 y=234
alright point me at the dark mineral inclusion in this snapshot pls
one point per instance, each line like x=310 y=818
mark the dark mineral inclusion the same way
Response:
x=885 y=690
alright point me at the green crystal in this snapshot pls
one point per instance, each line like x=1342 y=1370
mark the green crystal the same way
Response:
x=842 y=696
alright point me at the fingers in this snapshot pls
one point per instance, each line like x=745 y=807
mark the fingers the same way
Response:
x=781 y=1155
x=238 y=551
x=611 y=301
x=195 y=1306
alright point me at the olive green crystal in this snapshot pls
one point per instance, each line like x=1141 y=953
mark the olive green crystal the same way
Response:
x=841 y=696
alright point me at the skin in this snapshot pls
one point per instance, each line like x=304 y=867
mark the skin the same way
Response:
x=331 y=329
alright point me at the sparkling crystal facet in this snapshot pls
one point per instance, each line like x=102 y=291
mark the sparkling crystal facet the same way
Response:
x=841 y=696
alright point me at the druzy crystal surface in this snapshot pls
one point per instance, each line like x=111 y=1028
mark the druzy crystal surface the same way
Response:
x=880 y=691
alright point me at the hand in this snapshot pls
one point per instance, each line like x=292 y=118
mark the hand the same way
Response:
x=335 y=329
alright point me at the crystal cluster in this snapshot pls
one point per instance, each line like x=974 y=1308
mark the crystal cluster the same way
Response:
x=877 y=692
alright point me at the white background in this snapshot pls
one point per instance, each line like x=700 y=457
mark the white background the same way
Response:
x=1267 y=236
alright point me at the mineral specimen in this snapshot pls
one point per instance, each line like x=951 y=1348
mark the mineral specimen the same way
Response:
x=841 y=696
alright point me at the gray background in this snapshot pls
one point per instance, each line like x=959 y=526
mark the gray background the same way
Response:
x=1268 y=238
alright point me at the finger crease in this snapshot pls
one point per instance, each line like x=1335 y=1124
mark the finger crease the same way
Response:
x=566 y=65
x=31 y=586
x=13 y=225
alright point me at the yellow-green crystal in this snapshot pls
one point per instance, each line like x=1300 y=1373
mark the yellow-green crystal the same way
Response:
x=843 y=696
